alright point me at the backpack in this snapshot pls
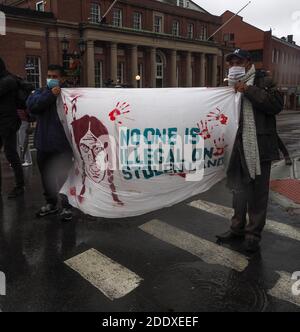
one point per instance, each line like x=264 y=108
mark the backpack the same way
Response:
x=24 y=91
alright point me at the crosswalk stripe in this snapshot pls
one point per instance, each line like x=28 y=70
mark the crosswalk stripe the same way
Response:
x=283 y=289
x=209 y=252
x=227 y=213
x=112 y=279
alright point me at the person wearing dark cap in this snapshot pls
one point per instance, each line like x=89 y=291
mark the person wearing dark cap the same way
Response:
x=255 y=148
x=9 y=126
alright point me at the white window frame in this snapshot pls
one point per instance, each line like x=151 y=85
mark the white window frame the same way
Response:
x=121 y=72
x=95 y=13
x=36 y=72
x=158 y=28
x=176 y=28
x=99 y=74
x=191 y=30
x=117 y=18
x=137 y=21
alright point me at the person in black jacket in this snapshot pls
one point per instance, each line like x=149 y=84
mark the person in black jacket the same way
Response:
x=9 y=126
x=54 y=153
x=255 y=148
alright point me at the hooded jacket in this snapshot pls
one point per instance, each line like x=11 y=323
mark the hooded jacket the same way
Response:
x=50 y=136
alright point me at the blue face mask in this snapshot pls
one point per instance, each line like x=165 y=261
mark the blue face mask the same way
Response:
x=51 y=83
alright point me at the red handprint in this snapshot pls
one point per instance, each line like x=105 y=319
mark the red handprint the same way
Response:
x=220 y=146
x=204 y=131
x=219 y=117
x=120 y=110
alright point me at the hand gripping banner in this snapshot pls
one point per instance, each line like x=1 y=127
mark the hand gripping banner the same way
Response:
x=140 y=150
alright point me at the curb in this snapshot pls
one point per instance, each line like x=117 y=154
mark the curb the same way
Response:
x=280 y=172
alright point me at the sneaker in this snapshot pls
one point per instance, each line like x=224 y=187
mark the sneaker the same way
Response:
x=16 y=192
x=26 y=164
x=66 y=215
x=47 y=210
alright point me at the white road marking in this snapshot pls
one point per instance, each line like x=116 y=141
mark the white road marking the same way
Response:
x=283 y=289
x=209 y=252
x=227 y=213
x=111 y=278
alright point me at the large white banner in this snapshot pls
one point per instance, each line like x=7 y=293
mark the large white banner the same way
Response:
x=140 y=150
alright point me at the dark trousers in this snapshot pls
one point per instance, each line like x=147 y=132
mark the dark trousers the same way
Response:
x=9 y=142
x=254 y=201
x=283 y=148
x=54 y=168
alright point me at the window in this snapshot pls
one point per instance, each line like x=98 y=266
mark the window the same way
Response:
x=33 y=71
x=159 y=71
x=158 y=24
x=183 y=3
x=203 y=32
x=99 y=74
x=120 y=74
x=191 y=31
x=175 y=28
x=117 y=18
x=141 y=73
x=40 y=6
x=95 y=15
x=137 y=21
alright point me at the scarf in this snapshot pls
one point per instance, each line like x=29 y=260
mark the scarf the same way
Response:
x=250 y=144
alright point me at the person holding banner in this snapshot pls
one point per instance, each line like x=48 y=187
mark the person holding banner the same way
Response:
x=255 y=148
x=54 y=153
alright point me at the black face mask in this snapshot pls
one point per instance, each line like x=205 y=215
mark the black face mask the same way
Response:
x=2 y=68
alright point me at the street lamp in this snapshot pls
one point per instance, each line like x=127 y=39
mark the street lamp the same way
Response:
x=65 y=44
x=138 y=80
x=82 y=46
x=72 y=62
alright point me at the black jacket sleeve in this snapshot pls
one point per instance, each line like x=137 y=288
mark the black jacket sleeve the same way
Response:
x=7 y=84
x=267 y=100
x=40 y=101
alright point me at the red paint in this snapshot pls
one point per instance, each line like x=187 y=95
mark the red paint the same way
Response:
x=220 y=147
x=119 y=111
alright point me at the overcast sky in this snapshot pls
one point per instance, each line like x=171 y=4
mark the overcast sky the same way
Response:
x=282 y=16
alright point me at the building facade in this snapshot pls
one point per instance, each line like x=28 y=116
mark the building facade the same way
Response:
x=279 y=56
x=145 y=43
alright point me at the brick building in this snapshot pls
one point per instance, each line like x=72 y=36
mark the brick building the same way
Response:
x=163 y=42
x=279 y=56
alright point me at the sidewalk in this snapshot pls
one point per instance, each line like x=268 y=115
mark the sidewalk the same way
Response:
x=285 y=185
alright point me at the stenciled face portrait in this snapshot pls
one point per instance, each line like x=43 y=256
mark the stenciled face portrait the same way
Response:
x=95 y=157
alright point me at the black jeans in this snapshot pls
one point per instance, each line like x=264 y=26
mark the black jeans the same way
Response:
x=54 y=168
x=8 y=140
x=254 y=201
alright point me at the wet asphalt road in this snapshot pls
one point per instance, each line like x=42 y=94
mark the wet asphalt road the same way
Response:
x=33 y=252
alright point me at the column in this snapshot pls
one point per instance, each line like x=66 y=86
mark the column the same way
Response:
x=202 y=69
x=134 y=65
x=114 y=62
x=153 y=67
x=90 y=63
x=173 y=68
x=189 y=76
x=214 y=70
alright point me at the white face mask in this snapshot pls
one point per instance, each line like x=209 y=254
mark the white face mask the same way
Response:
x=236 y=73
